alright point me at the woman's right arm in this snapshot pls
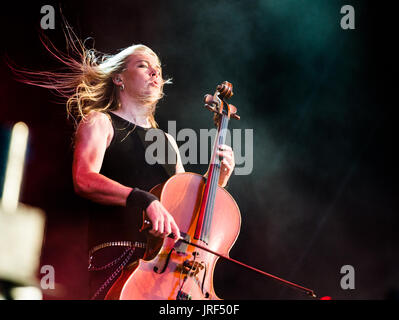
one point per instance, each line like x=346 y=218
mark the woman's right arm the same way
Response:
x=91 y=141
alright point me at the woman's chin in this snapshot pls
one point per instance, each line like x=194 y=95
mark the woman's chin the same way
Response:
x=150 y=97
x=154 y=92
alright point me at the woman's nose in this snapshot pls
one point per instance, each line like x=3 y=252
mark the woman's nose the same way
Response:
x=154 y=73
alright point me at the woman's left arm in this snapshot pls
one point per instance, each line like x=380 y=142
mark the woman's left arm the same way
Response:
x=226 y=155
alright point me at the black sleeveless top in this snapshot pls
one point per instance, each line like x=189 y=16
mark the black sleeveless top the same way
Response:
x=125 y=162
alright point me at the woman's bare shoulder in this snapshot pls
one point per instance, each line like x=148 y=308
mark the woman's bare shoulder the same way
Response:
x=98 y=123
x=95 y=118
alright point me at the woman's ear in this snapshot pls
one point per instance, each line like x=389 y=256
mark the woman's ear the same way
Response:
x=117 y=79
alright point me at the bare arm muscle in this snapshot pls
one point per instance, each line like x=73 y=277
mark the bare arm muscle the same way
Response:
x=92 y=139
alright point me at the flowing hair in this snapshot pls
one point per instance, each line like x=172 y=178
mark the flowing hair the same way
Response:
x=86 y=81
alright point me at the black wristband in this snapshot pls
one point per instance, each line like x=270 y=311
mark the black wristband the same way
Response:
x=140 y=198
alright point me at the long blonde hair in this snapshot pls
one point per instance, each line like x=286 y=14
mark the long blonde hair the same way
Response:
x=87 y=84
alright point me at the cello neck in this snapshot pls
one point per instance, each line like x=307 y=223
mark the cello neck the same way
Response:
x=208 y=198
x=215 y=163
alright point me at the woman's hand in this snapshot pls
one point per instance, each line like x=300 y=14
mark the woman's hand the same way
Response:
x=162 y=221
x=226 y=153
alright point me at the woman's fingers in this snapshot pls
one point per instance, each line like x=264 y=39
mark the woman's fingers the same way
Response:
x=162 y=221
x=225 y=147
x=167 y=228
x=226 y=153
x=227 y=165
x=175 y=230
x=160 y=228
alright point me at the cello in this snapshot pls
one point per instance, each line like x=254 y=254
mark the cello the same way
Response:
x=209 y=221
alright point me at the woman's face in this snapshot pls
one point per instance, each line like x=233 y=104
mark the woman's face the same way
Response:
x=142 y=77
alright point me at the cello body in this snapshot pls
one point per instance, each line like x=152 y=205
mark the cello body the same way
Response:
x=179 y=271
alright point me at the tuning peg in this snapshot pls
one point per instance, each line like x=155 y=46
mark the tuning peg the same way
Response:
x=208 y=99
x=210 y=102
x=209 y=107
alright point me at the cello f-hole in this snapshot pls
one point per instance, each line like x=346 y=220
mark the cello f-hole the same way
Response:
x=166 y=263
x=206 y=294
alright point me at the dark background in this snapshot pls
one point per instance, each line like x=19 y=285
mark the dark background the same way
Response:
x=319 y=101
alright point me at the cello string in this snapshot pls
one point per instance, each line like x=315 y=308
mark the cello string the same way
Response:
x=221 y=139
x=210 y=185
x=210 y=199
x=210 y=191
x=213 y=189
x=215 y=179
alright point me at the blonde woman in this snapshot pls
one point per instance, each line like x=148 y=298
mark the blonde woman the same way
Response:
x=113 y=100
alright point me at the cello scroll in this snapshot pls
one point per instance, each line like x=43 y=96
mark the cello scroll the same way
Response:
x=217 y=102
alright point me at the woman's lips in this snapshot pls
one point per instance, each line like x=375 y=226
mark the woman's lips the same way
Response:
x=154 y=84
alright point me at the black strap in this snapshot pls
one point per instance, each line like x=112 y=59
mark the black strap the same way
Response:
x=140 y=198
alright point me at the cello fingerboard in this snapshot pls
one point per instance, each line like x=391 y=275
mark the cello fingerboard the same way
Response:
x=206 y=212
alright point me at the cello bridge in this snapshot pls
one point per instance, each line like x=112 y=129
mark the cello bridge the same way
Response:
x=193 y=267
x=181 y=295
